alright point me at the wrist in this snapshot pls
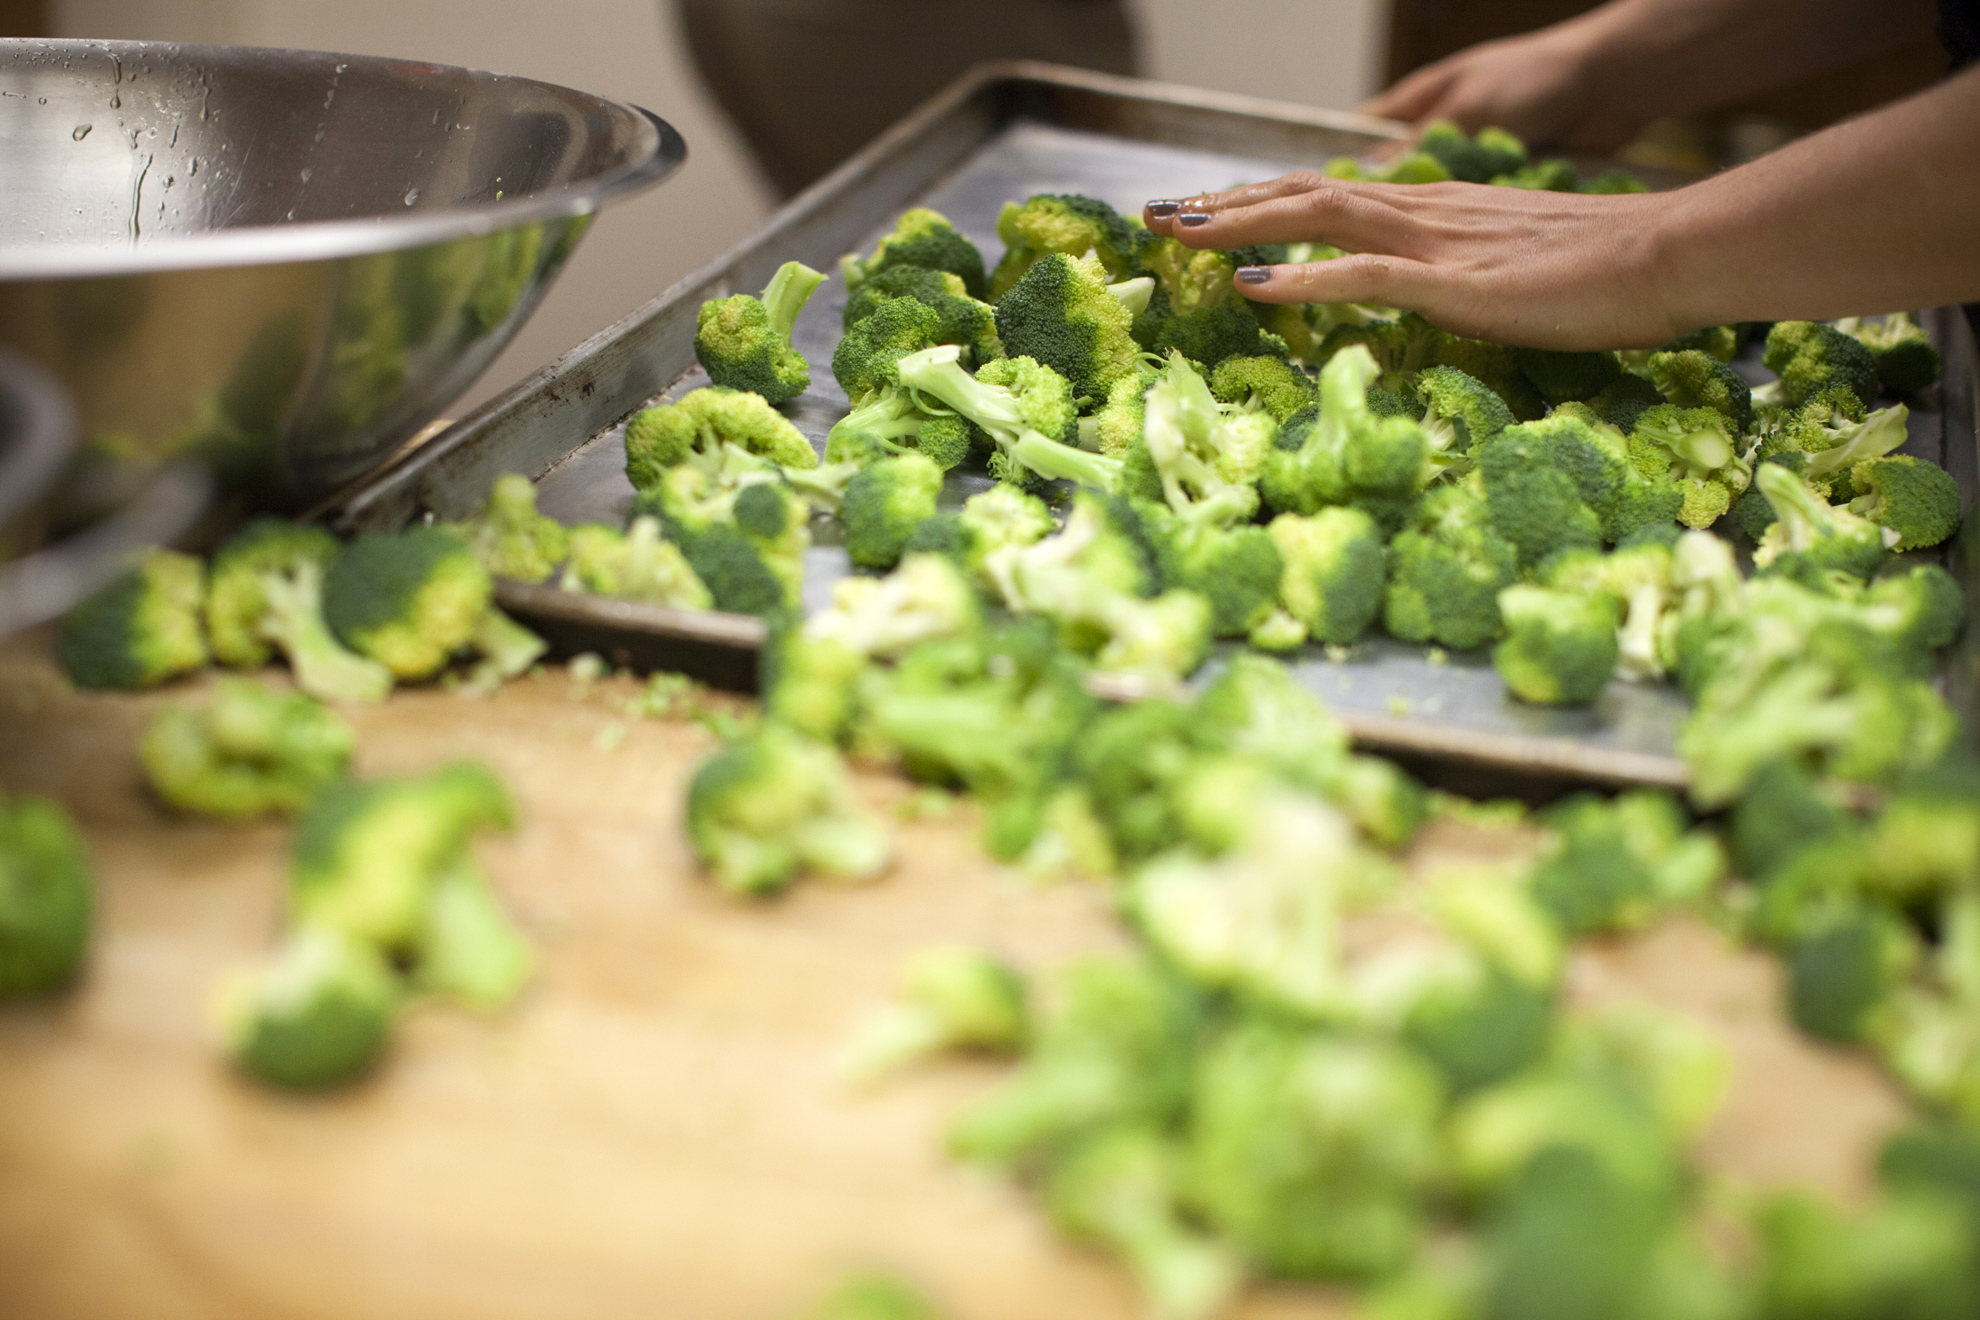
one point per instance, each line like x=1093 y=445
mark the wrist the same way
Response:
x=1679 y=255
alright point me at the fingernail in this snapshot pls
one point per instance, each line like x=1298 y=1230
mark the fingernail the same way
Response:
x=1193 y=218
x=1254 y=274
x=1163 y=210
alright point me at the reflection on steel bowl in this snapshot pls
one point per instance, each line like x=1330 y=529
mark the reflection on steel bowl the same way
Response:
x=283 y=262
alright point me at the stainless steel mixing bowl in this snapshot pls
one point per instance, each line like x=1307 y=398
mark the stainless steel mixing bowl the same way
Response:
x=285 y=262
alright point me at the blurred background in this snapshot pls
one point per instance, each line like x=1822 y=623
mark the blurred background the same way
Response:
x=688 y=62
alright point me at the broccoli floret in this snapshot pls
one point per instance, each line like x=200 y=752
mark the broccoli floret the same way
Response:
x=1025 y=407
x=1838 y=975
x=867 y=359
x=742 y=528
x=1638 y=579
x=1312 y=1152
x=1560 y=646
x=1609 y=865
x=47 y=897
x=1350 y=456
x=744 y=343
x=884 y=504
x=513 y=540
x=1237 y=569
x=703 y=423
x=1066 y=225
x=1206 y=461
x=1917 y=500
x=1809 y=534
x=1399 y=347
x=1334 y=568
x=1061 y=314
x=774 y=803
x=951 y=998
x=1564 y=376
x=1695 y=379
x=248 y=752
x=961 y=319
x=266 y=591
x=1196 y=309
x=1459 y=413
x=1116 y=1048
x=1627 y=398
x=1906 y=1255
x=872 y=1296
x=1478 y=159
x=1446 y=569
x=1612 y=182
x=1257 y=711
x=1554 y=175
x=636 y=564
x=1783 y=811
x=318 y=1017
x=922 y=238
x=1907 y=360
x=469 y=951
x=1534 y=504
x=141 y=630
x=1810 y=357
x=1695 y=449
x=1594 y=455
x=1004 y=516
x=888 y=417
x=1270 y=383
x=411 y=599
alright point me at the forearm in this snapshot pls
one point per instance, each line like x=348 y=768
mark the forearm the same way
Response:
x=1878 y=213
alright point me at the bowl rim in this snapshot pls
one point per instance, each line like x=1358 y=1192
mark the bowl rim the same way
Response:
x=659 y=152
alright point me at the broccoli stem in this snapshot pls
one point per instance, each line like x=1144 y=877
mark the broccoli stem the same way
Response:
x=1873 y=437
x=507 y=648
x=1055 y=461
x=787 y=293
x=899 y=1034
x=937 y=372
x=470 y=952
x=1799 y=509
x=293 y=621
x=1134 y=294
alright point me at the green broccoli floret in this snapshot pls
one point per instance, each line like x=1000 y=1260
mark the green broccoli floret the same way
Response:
x=1838 y=975
x=1334 y=568
x=1400 y=347
x=411 y=599
x=1205 y=460
x=1534 y=504
x=1694 y=448
x=1062 y=314
x=700 y=425
x=887 y=416
x=1906 y=1255
x=1025 y=407
x=1638 y=578
x=1835 y=448
x=266 y=591
x=1560 y=646
x=247 y=753
x=1695 y=379
x=1627 y=398
x=1004 y=516
x=951 y=998
x=1810 y=357
x=1612 y=864
x=1459 y=413
x=141 y=630
x=872 y=1296
x=369 y=856
x=742 y=528
x=318 y=1017
x=1565 y=376
x=1783 y=811
x=1554 y=175
x=1612 y=182
x=884 y=504
x=1257 y=710
x=961 y=319
x=1479 y=159
x=47 y=897
x=1116 y=1048
x=1270 y=383
x=1594 y=455
x=1122 y=1189
x=1810 y=534
x=774 y=803
x=1916 y=499
x=867 y=359
x=510 y=538
x=469 y=951
x=1195 y=308
x=1312 y=1153
x=1236 y=569
x=636 y=564
x=1350 y=456
x=1907 y=360
x=744 y=343
x=922 y=238
x=1446 y=569
x=1069 y=226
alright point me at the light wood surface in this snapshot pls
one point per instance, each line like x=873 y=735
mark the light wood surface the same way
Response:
x=655 y=1130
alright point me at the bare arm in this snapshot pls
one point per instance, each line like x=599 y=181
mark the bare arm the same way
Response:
x=1874 y=214
x=1591 y=83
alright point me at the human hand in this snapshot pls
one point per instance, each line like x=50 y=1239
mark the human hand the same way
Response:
x=1532 y=268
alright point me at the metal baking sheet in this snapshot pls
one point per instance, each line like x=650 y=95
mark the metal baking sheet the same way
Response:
x=1007 y=132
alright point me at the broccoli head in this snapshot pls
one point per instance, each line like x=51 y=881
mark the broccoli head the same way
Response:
x=1810 y=534
x=1205 y=460
x=1534 y=504
x=1024 y=407
x=884 y=503
x=1459 y=412
x=47 y=897
x=141 y=630
x=951 y=998
x=1562 y=377
x=1627 y=398
x=266 y=591
x=1907 y=360
x=1236 y=569
x=865 y=362
x=1693 y=378
x=1270 y=383
x=1062 y=314
x=1696 y=449
x=700 y=425
x=637 y=564
x=1611 y=864
x=1810 y=357
x=411 y=599
x=318 y=1017
x=1479 y=159
x=1334 y=569
x=510 y=538
x=248 y=752
x=1069 y=226
x=468 y=950
x=924 y=239
x=1446 y=570
x=1350 y=456
x=773 y=803
x=1560 y=646
x=744 y=343
x=1839 y=974
x=1916 y=499
x=961 y=319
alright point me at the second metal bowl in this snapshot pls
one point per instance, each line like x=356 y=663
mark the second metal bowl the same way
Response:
x=284 y=262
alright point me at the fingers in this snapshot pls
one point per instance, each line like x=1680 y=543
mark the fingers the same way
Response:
x=1367 y=278
x=1159 y=215
x=1413 y=99
x=1355 y=216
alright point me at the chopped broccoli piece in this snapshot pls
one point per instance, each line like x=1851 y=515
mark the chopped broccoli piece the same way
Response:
x=1609 y=865
x=884 y=504
x=1560 y=645
x=773 y=803
x=1025 y=407
x=1270 y=383
x=317 y=1017
x=1334 y=568
x=1206 y=460
x=1626 y=398
x=1692 y=378
x=1637 y=579
x=248 y=752
x=1813 y=535
x=922 y=238
x=411 y=599
x=1349 y=455
x=636 y=564
x=468 y=950
x=866 y=362
x=1534 y=504
x=1839 y=975
x=952 y=998
x=141 y=630
x=1459 y=413
x=513 y=540
x=1236 y=569
x=1907 y=1255
x=1810 y=357
x=47 y=897
x=1480 y=159
x=1061 y=314
x=961 y=319
x=742 y=528
x=1695 y=448
x=1069 y=226
x=266 y=591
x=700 y=425
x=1446 y=569
x=1565 y=376
x=1612 y=182
x=1917 y=500
x=1907 y=360
x=744 y=343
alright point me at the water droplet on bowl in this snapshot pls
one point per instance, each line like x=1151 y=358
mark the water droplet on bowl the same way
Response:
x=82 y=131
x=412 y=196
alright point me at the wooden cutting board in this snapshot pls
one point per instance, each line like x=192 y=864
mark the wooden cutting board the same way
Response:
x=655 y=1130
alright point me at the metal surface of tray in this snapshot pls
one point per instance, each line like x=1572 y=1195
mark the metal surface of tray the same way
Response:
x=1007 y=132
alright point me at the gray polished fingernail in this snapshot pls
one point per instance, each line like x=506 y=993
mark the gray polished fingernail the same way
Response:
x=1163 y=210
x=1254 y=274
x=1193 y=218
